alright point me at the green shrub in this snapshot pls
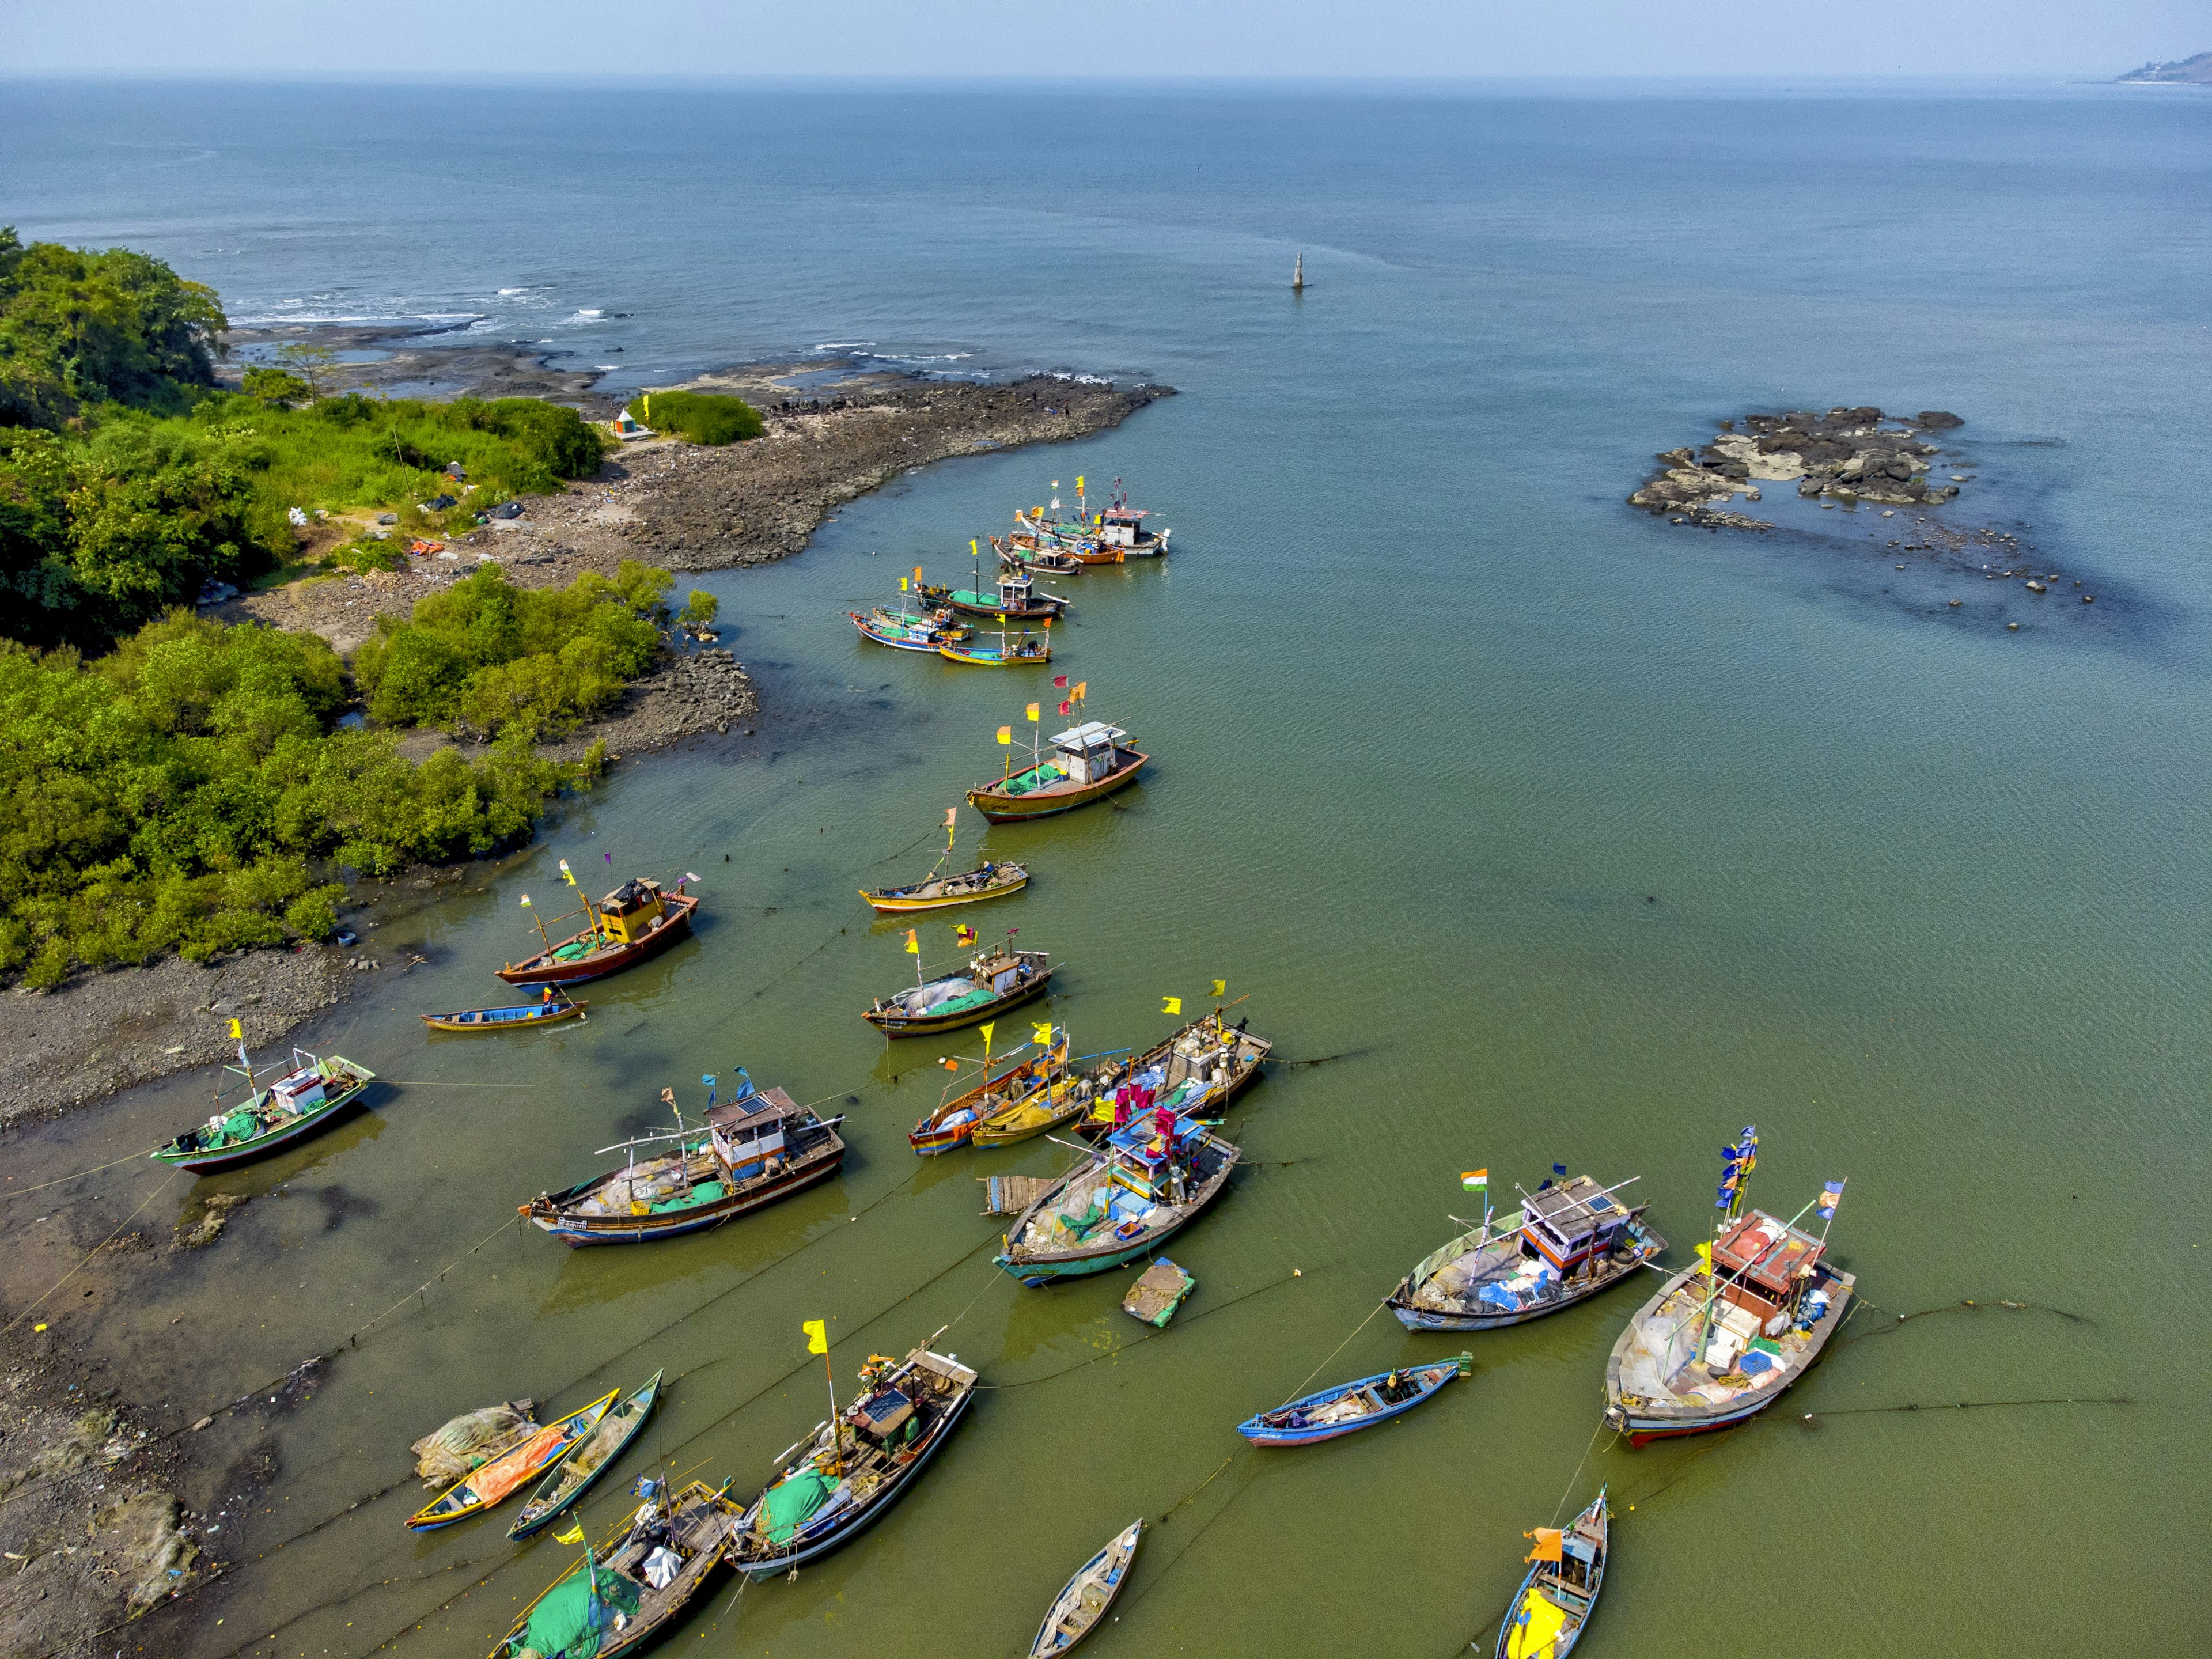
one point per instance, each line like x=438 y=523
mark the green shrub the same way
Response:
x=488 y=657
x=700 y=608
x=704 y=417
x=176 y=794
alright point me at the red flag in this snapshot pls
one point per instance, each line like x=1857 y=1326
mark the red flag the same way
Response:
x=1067 y=709
x=1059 y=682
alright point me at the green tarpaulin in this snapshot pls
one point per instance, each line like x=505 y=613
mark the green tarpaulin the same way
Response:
x=570 y=1622
x=790 y=1504
x=706 y=1192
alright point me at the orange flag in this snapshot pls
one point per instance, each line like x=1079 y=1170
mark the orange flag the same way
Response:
x=1031 y=711
x=1548 y=1543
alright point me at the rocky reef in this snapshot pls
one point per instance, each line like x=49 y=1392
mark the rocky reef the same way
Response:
x=1850 y=454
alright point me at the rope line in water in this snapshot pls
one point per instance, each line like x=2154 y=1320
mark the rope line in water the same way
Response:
x=92 y=1252
x=1338 y=1349
x=58 y=1180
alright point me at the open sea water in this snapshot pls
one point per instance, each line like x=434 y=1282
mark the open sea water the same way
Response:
x=1561 y=834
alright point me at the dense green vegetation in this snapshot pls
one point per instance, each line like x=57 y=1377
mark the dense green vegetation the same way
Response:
x=79 y=328
x=704 y=417
x=174 y=794
x=489 y=659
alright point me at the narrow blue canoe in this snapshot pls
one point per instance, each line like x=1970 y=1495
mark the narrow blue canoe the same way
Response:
x=1351 y=1406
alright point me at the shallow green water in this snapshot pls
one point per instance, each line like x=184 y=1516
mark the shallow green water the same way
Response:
x=1558 y=833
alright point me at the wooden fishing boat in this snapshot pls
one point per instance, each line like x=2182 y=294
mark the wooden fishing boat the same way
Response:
x=1062 y=1094
x=1557 y=1598
x=935 y=892
x=636 y=922
x=1033 y=560
x=1715 y=1348
x=1015 y=598
x=1088 y=763
x=957 y=1117
x=996 y=980
x=620 y=1608
x=905 y=631
x=576 y=1472
x=848 y=1472
x=1196 y=1071
x=484 y=1488
x=1159 y=1291
x=1009 y=651
x=521 y=1017
x=1121 y=525
x=1351 y=1407
x=1567 y=1241
x=1078 y=1608
x=1145 y=1184
x=755 y=1149
x=308 y=1098
x=1034 y=531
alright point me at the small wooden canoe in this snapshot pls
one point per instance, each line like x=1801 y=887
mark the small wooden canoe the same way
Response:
x=1557 y=1598
x=308 y=1098
x=514 y=1018
x=1351 y=1407
x=634 y=922
x=1159 y=1291
x=1078 y=1609
x=481 y=1489
x=591 y=1460
x=993 y=982
x=575 y=1615
x=987 y=881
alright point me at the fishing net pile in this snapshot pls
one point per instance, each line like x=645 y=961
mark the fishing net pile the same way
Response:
x=471 y=1440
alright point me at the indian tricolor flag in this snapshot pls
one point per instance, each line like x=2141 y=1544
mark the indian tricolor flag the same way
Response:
x=1475 y=1181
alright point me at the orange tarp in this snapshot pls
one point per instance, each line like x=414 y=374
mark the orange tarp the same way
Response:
x=503 y=1475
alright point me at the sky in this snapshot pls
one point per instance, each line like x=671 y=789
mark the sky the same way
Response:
x=1093 y=41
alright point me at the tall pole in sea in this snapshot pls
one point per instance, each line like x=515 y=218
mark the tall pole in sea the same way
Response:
x=1298 y=274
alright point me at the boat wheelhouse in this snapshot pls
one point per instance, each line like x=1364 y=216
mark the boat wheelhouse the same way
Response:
x=1016 y=597
x=1568 y=1241
x=1088 y=760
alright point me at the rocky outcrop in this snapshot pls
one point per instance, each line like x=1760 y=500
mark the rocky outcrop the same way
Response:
x=1850 y=454
x=2187 y=71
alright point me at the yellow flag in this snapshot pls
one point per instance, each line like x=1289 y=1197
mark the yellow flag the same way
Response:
x=237 y=1030
x=574 y=1536
x=1031 y=711
x=817 y=1335
x=1221 y=987
x=1006 y=734
x=903 y=587
x=645 y=407
x=1171 y=1005
x=1705 y=1260
x=972 y=548
x=1078 y=481
x=525 y=902
x=1081 y=686
x=1043 y=1035
x=987 y=1027
x=913 y=944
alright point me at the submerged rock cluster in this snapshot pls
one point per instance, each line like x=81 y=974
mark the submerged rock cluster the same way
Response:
x=1852 y=454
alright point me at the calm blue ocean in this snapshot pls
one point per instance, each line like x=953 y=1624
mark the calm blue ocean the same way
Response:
x=1580 y=836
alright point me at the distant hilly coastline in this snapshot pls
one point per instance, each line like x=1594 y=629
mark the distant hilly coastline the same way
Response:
x=2188 y=72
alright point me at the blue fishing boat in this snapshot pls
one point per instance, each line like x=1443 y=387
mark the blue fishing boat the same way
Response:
x=1557 y=1598
x=1352 y=1406
x=844 y=1476
x=1143 y=1187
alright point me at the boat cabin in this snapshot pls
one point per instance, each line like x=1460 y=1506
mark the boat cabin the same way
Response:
x=1089 y=753
x=630 y=912
x=1760 y=1265
x=300 y=1093
x=1014 y=588
x=1120 y=527
x=1572 y=1224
